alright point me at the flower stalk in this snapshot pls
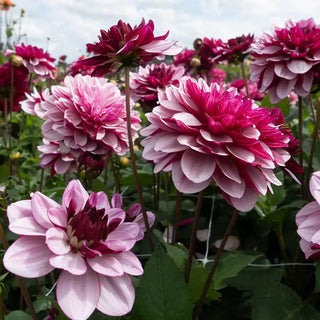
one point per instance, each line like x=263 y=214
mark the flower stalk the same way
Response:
x=193 y=237
x=215 y=264
x=244 y=79
x=133 y=160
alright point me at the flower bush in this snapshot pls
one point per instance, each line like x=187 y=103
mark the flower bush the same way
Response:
x=137 y=189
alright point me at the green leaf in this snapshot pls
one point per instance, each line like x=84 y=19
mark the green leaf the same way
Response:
x=317 y=275
x=271 y=299
x=18 y=315
x=197 y=280
x=179 y=256
x=230 y=264
x=162 y=293
x=284 y=106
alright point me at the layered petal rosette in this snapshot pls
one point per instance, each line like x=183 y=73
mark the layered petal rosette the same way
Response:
x=36 y=60
x=284 y=60
x=86 y=238
x=123 y=45
x=145 y=84
x=89 y=114
x=308 y=221
x=203 y=133
x=235 y=49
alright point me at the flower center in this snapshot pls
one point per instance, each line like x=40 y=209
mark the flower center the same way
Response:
x=89 y=225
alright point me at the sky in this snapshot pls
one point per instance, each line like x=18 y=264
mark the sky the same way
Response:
x=70 y=24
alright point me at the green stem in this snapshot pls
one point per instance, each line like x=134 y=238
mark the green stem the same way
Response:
x=215 y=264
x=177 y=215
x=244 y=79
x=193 y=237
x=315 y=135
x=133 y=160
x=300 y=130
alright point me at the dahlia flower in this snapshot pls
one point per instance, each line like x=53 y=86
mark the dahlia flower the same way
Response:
x=87 y=239
x=199 y=62
x=148 y=81
x=126 y=46
x=217 y=75
x=307 y=220
x=35 y=103
x=36 y=61
x=254 y=92
x=89 y=114
x=235 y=49
x=284 y=60
x=76 y=68
x=20 y=85
x=233 y=141
x=57 y=157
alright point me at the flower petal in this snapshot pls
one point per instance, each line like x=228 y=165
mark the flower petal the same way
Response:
x=106 y=265
x=197 y=167
x=40 y=204
x=71 y=262
x=28 y=257
x=58 y=241
x=78 y=295
x=74 y=195
x=130 y=263
x=116 y=295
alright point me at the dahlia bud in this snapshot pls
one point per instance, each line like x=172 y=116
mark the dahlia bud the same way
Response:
x=124 y=161
x=15 y=156
x=197 y=44
x=16 y=61
x=136 y=148
x=195 y=62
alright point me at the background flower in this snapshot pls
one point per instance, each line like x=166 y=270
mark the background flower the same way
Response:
x=308 y=221
x=145 y=84
x=87 y=239
x=236 y=142
x=88 y=113
x=284 y=60
x=125 y=46
x=36 y=60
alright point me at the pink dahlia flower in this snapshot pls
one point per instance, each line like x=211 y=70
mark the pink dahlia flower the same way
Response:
x=203 y=133
x=308 y=221
x=284 y=61
x=87 y=239
x=36 y=61
x=20 y=85
x=148 y=81
x=126 y=46
x=235 y=49
x=217 y=75
x=57 y=157
x=76 y=68
x=89 y=114
x=254 y=92
x=35 y=103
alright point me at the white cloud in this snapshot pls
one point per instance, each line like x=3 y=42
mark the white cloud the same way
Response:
x=71 y=24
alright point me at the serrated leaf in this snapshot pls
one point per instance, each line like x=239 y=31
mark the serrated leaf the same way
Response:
x=162 y=293
x=18 y=315
x=230 y=264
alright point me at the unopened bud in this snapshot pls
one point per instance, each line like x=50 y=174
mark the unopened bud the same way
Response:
x=124 y=161
x=17 y=61
x=15 y=156
x=136 y=148
x=195 y=62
